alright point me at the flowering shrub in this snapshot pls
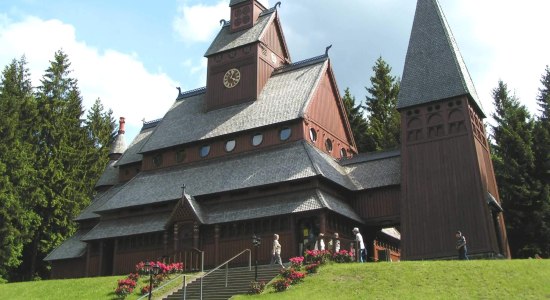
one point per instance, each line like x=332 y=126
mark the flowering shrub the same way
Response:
x=318 y=256
x=312 y=268
x=133 y=276
x=256 y=287
x=296 y=262
x=281 y=285
x=342 y=256
x=123 y=290
x=140 y=268
x=145 y=290
x=292 y=275
x=163 y=268
x=127 y=282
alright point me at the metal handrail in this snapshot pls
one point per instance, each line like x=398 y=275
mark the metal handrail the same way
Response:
x=226 y=264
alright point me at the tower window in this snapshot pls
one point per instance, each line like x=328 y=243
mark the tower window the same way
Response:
x=230 y=145
x=313 y=135
x=204 y=151
x=157 y=160
x=343 y=153
x=257 y=139
x=285 y=133
x=180 y=155
x=328 y=145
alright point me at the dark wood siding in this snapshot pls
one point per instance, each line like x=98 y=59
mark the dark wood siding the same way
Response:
x=442 y=189
x=324 y=115
x=273 y=39
x=379 y=206
x=245 y=60
x=69 y=268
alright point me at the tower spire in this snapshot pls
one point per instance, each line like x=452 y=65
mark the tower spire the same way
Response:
x=434 y=69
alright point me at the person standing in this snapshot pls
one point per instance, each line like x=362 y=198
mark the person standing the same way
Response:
x=461 y=246
x=336 y=243
x=320 y=243
x=276 y=252
x=359 y=240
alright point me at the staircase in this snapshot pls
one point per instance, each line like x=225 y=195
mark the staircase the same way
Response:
x=238 y=282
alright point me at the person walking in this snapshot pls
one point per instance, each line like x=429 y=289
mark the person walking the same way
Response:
x=276 y=252
x=359 y=240
x=320 y=243
x=336 y=243
x=461 y=246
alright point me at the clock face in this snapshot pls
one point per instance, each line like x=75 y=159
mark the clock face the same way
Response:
x=231 y=78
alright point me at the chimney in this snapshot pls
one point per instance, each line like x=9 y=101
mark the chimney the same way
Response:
x=121 y=123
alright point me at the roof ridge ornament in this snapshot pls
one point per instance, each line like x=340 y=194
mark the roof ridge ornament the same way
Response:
x=327 y=49
x=278 y=4
x=224 y=23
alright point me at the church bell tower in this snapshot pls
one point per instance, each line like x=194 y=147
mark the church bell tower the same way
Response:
x=448 y=182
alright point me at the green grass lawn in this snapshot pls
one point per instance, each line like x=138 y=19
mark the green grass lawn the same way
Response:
x=82 y=289
x=476 y=279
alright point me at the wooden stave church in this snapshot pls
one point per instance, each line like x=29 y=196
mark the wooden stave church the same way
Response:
x=235 y=159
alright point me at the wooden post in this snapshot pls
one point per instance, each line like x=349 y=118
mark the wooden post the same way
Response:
x=88 y=250
x=323 y=222
x=114 y=256
x=196 y=235
x=165 y=240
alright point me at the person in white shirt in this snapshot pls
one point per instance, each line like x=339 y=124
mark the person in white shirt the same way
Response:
x=276 y=253
x=320 y=243
x=336 y=243
x=359 y=240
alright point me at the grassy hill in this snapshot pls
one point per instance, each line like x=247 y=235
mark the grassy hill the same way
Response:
x=485 y=279
x=478 y=279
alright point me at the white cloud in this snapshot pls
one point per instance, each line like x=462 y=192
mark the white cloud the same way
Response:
x=199 y=23
x=119 y=79
x=512 y=35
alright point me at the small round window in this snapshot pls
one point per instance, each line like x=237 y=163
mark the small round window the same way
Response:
x=257 y=139
x=328 y=145
x=343 y=153
x=230 y=145
x=204 y=151
x=157 y=160
x=180 y=155
x=285 y=133
x=313 y=135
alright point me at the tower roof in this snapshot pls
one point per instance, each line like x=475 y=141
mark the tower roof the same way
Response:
x=434 y=68
x=119 y=144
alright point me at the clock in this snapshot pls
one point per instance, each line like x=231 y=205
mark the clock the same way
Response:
x=231 y=78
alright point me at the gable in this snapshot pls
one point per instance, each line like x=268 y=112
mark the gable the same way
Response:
x=327 y=111
x=274 y=39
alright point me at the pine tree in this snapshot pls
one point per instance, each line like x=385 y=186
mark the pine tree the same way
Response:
x=356 y=119
x=542 y=164
x=100 y=127
x=383 y=118
x=514 y=162
x=61 y=161
x=17 y=172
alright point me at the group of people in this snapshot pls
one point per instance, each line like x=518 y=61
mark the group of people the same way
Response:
x=334 y=244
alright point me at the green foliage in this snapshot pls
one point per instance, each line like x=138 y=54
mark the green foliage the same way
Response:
x=357 y=121
x=49 y=162
x=514 y=162
x=384 y=120
x=17 y=111
x=475 y=279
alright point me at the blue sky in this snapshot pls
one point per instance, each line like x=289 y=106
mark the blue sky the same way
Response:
x=133 y=54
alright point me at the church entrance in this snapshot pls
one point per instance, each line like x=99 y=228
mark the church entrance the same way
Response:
x=107 y=257
x=307 y=232
x=185 y=236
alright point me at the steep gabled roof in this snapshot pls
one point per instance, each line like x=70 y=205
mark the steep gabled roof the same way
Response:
x=216 y=213
x=109 y=175
x=434 y=69
x=99 y=200
x=227 y=40
x=71 y=248
x=283 y=99
x=284 y=163
x=127 y=226
x=131 y=155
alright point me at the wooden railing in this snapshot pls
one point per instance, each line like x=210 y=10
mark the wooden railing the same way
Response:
x=390 y=253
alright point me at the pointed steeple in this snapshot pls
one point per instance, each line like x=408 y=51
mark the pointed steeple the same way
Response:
x=434 y=69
